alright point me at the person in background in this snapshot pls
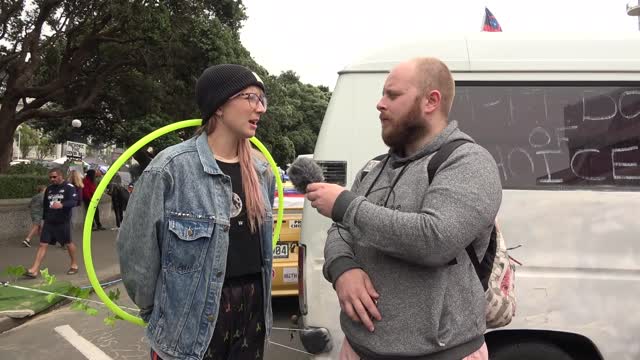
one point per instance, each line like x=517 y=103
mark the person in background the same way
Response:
x=119 y=199
x=59 y=198
x=36 y=215
x=89 y=189
x=75 y=179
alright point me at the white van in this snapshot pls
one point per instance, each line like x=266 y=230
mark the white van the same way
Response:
x=561 y=116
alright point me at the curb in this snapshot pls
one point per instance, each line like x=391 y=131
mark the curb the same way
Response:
x=8 y=323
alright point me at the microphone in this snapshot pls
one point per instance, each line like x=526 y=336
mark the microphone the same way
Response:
x=304 y=171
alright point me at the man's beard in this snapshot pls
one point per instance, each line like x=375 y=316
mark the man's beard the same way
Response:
x=406 y=130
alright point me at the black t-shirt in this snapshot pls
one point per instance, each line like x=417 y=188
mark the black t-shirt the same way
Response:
x=243 y=256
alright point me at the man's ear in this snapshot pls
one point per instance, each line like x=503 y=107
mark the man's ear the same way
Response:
x=433 y=101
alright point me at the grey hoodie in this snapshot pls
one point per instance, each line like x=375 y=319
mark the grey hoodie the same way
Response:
x=431 y=308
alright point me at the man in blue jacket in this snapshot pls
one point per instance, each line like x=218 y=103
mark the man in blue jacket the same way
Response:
x=59 y=198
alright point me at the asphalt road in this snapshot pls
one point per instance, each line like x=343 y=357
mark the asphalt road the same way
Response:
x=38 y=338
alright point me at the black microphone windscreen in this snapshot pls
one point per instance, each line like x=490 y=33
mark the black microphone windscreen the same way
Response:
x=303 y=172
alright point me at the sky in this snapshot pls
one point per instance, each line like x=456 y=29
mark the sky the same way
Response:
x=316 y=39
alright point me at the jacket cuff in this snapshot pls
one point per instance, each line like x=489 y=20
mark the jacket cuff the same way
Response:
x=339 y=266
x=342 y=204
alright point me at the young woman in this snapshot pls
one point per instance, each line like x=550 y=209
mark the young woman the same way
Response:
x=75 y=179
x=195 y=243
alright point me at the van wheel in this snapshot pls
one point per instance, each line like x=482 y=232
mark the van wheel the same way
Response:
x=528 y=350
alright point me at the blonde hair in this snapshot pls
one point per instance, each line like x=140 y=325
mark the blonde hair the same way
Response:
x=254 y=201
x=433 y=74
x=75 y=179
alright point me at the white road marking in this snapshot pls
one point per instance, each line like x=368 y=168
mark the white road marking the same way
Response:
x=87 y=349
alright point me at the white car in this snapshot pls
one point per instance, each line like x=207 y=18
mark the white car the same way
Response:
x=19 y=161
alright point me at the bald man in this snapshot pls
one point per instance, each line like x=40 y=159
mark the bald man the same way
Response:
x=396 y=252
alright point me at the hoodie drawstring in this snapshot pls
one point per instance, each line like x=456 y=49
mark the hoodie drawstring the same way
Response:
x=393 y=185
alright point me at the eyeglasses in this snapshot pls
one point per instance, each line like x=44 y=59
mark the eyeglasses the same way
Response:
x=53 y=177
x=253 y=99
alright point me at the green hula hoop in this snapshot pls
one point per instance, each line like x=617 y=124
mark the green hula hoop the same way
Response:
x=88 y=221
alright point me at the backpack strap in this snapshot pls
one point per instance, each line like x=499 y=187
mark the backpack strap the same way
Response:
x=442 y=155
x=476 y=264
x=484 y=268
x=370 y=165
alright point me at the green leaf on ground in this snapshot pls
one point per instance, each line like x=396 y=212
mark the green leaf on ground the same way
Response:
x=91 y=311
x=12 y=299
x=48 y=279
x=74 y=291
x=77 y=305
x=84 y=293
x=14 y=271
x=114 y=295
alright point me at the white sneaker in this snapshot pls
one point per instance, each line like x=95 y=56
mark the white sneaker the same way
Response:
x=26 y=242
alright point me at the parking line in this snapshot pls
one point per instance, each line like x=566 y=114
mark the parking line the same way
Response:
x=87 y=349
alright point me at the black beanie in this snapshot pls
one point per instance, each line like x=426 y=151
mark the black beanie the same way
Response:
x=220 y=82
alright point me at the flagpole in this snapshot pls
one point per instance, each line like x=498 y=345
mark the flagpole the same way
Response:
x=484 y=17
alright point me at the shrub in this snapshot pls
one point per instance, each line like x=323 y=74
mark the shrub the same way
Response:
x=20 y=186
x=28 y=169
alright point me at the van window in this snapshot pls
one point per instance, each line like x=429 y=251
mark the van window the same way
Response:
x=555 y=135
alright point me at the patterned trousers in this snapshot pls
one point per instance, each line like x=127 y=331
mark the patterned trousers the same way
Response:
x=239 y=332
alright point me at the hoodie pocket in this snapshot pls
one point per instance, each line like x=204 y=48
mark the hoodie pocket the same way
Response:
x=445 y=328
x=187 y=244
x=462 y=308
x=447 y=324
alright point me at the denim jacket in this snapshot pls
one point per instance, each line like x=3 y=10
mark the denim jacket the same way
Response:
x=173 y=246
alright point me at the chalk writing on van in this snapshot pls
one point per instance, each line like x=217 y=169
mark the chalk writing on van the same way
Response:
x=567 y=135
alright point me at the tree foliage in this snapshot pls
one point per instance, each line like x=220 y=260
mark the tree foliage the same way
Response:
x=128 y=67
x=27 y=139
x=45 y=147
x=294 y=116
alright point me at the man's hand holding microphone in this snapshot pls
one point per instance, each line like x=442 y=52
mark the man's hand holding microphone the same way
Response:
x=354 y=288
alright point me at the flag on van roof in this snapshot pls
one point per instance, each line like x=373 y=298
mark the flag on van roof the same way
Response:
x=490 y=22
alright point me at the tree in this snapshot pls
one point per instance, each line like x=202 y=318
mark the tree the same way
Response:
x=294 y=116
x=44 y=147
x=284 y=150
x=61 y=59
x=125 y=68
x=28 y=139
x=142 y=102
